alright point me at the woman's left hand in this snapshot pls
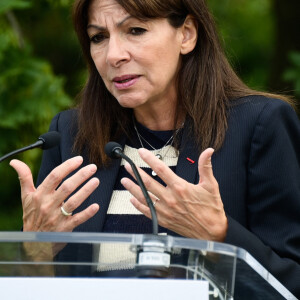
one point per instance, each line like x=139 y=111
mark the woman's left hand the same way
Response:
x=191 y=210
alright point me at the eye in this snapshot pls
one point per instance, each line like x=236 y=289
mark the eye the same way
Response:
x=97 y=38
x=137 y=31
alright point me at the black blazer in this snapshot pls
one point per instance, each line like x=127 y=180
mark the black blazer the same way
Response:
x=258 y=173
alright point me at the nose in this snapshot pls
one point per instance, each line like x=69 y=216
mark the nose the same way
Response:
x=117 y=53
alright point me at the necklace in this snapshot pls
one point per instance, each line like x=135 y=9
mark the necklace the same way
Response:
x=158 y=155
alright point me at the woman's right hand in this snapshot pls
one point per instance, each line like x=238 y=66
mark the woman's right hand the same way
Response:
x=42 y=205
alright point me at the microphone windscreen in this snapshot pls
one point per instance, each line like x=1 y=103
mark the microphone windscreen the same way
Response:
x=110 y=149
x=50 y=139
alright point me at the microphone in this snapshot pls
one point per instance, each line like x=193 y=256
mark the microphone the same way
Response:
x=115 y=150
x=45 y=141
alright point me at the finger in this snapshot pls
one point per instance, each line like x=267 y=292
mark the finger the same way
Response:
x=143 y=208
x=82 y=217
x=151 y=185
x=207 y=179
x=136 y=191
x=158 y=166
x=72 y=183
x=56 y=176
x=77 y=199
x=25 y=177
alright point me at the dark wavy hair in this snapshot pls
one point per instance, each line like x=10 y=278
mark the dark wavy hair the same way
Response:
x=206 y=85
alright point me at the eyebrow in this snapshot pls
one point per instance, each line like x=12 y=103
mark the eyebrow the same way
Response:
x=103 y=28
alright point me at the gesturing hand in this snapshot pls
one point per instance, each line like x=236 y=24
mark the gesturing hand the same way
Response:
x=42 y=205
x=194 y=211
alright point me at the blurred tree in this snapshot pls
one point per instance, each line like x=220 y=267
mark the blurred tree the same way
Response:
x=287 y=41
x=48 y=27
x=247 y=30
x=292 y=74
x=30 y=95
x=262 y=40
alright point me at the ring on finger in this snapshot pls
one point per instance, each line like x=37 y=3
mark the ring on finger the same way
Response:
x=64 y=212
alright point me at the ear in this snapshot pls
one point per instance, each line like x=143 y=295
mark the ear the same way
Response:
x=190 y=35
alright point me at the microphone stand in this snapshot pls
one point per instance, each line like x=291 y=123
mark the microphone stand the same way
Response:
x=46 y=141
x=144 y=190
x=152 y=259
x=32 y=146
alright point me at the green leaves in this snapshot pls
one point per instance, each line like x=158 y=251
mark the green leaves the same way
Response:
x=6 y=5
x=247 y=30
x=60 y=3
x=29 y=91
x=292 y=74
x=30 y=95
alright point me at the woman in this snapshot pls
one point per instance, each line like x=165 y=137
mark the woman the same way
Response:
x=158 y=79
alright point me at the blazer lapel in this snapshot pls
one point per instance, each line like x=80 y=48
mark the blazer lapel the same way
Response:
x=187 y=165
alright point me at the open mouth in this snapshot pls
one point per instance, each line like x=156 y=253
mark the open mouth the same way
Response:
x=125 y=78
x=125 y=81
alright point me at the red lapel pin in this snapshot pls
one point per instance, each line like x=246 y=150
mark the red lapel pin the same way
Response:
x=190 y=160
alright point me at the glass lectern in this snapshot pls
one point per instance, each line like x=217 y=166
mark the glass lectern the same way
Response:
x=231 y=272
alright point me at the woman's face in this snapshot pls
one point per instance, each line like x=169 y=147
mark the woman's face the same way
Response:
x=138 y=61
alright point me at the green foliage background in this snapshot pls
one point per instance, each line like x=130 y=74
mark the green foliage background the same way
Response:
x=41 y=71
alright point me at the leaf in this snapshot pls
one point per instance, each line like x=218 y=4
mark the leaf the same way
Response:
x=6 y=5
x=294 y=58
x=292 y=74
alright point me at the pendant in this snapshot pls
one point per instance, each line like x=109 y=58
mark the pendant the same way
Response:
x=158 y=156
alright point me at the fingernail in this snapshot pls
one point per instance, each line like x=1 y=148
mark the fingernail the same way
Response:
x=142 y=151
x=124 y=181
x=78 y=158
x=93 y=168
x=95 y=208
x=95 y=181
